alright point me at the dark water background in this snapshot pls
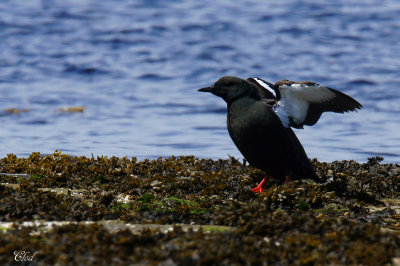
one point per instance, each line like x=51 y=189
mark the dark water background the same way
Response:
x=136 y=66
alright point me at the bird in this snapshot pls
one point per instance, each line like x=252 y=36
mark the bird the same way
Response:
x=261 y=115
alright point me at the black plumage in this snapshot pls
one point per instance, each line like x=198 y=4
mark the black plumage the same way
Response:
x=260 y=115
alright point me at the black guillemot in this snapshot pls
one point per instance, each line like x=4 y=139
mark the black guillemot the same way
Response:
x=260 y=117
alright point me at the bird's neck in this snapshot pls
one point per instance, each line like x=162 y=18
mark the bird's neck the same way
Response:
x=237 y=110
x=244 y=94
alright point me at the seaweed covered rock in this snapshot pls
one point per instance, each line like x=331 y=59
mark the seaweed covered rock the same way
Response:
x=351 y=218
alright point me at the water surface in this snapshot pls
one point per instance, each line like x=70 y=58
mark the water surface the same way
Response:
x=136 y=66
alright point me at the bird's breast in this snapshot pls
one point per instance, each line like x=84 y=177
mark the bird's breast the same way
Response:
x=257 y=132
x=247 y=120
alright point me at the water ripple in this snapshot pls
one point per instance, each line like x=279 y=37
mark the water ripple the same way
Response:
x=136 y=66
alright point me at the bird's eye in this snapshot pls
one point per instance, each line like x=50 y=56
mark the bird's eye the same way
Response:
x=229 y=84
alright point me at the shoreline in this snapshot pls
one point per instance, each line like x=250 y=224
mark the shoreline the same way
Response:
x=181 y=210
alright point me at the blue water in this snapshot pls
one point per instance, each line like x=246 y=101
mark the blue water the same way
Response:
x=136 y=66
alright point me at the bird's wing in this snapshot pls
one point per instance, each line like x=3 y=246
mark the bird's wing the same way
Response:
x=265 y=88
x=303 y=102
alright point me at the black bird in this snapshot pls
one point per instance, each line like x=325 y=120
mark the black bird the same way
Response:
x=260 y=117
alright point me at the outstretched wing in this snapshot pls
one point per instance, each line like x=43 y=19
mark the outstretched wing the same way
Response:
x=303 y=102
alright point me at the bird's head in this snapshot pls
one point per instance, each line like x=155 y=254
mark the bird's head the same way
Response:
x=229 y=88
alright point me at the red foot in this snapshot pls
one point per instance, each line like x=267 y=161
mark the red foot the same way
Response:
x=259 y=187
x=287 y=179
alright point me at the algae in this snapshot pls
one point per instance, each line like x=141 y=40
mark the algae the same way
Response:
x=351 y=217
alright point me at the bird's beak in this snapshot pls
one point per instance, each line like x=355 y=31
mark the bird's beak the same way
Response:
x=206 y=89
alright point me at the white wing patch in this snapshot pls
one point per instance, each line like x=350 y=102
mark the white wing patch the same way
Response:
x=296 y=99
x=282 y=112
x=265 y=86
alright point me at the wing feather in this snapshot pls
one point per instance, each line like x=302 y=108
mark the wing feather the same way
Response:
x=303 y=102
x=265 y=88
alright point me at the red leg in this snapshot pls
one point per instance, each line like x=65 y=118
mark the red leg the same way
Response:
x=287 y=179
x=259 y=187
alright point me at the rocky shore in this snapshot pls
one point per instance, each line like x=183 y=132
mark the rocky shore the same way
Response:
x=59 y=209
